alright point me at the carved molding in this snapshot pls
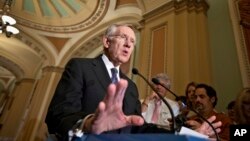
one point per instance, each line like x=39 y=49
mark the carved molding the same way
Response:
x=89 y=46
x=33 y=45
x=25 y=80
x=245 y=23
x=179 y=5
x=240 y=42
x=12 y=67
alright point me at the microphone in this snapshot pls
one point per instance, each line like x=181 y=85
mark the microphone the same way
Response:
x=136 y=72
x=157 y=82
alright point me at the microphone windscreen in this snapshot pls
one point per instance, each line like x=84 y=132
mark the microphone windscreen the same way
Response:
x=156 y=81
x=135 y=71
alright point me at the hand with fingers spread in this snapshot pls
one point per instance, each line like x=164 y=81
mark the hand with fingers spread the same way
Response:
x=206 y=129
x=109 y=115
x=193 y=124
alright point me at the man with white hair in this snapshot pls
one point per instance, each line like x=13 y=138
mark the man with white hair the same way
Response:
x=153 y=109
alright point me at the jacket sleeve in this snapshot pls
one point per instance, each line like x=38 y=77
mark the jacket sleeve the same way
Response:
x=65 y=108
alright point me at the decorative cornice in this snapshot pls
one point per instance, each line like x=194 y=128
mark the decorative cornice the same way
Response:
x=179 y=5
x=197 y=5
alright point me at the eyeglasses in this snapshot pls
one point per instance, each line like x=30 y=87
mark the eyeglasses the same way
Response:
x=124 y=37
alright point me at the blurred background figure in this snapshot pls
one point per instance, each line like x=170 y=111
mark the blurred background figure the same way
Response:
x=205 y=102
x=231 y=111
x=242 y=107
x=153 y=109
x=190 y=89
x=182 y=101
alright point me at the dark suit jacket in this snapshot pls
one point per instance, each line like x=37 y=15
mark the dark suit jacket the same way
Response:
x=82 y=86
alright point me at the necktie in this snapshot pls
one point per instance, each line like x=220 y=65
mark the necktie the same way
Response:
x=156 y=112
x=114 y=78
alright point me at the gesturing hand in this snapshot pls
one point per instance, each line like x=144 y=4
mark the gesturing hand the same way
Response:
x=109 y=114
x=207 y=130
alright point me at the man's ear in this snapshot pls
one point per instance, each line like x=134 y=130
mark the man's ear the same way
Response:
x=106 y=41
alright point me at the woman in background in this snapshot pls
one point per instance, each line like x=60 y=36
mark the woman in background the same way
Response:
x=189 y=92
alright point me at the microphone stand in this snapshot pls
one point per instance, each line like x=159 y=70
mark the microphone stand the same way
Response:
x=136 y=72
x=157 y=82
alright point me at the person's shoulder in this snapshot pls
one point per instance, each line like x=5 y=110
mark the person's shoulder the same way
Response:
x=130 y=81
x=80 y=59
x=221 y=114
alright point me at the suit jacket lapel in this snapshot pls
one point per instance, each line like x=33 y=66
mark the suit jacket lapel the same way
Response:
x=103 y=76
x=101 y=72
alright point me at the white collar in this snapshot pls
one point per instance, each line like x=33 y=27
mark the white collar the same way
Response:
x=109 y=65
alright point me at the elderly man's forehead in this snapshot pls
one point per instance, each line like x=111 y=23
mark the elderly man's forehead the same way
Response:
x=164 y=80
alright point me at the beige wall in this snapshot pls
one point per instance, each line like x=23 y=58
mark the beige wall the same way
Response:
x=225 y=63
x=175 y=41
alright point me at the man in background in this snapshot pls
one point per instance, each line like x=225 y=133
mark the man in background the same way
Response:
x=205 y=102
x=153 y=109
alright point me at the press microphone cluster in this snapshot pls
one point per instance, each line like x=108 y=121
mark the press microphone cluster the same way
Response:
x=136 y=72
x=181 y=119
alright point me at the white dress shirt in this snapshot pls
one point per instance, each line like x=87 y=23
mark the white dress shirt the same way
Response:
x=164 y=112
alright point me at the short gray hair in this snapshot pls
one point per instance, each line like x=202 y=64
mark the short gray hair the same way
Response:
x=164 y=79
x=113 y=28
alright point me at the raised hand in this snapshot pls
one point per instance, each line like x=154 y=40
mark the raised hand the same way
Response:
x=109 y=115
x=207 y=130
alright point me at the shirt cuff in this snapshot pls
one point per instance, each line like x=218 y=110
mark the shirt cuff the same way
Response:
x=76 y=131
x=84 y=120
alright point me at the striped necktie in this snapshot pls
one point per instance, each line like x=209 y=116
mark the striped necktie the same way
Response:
x=114 y=78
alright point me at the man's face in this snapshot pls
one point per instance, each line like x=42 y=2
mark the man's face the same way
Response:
x=202 y=102
x=120 y=45
x=160 y=89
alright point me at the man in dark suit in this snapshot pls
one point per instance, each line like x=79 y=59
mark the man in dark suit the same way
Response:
x=84 y=85
x=93 y=98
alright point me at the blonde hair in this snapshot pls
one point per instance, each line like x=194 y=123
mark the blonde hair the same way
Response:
x=242 y=96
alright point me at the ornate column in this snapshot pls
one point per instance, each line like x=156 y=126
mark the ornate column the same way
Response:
x=34 y=127
x=22 y=92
